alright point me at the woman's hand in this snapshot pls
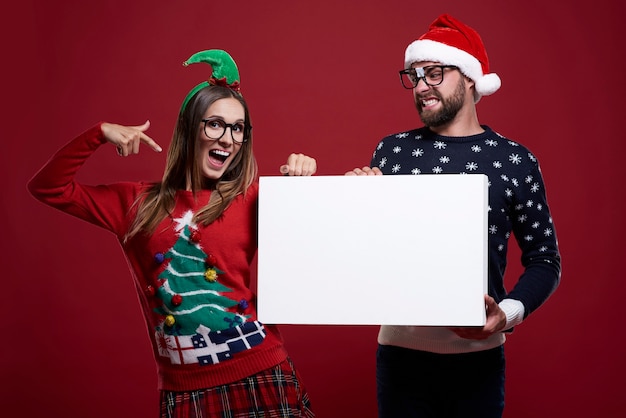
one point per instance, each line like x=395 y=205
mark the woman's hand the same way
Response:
x=127 y=138
x=299 y=165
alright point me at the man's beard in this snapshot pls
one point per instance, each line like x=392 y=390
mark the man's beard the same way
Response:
x=450 y=107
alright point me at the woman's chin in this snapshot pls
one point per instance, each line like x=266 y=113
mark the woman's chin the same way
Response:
x=213 y=173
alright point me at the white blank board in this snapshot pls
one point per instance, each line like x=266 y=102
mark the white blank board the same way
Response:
x=373 y=250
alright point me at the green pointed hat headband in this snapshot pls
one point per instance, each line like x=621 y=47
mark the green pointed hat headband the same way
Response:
x=225 y=72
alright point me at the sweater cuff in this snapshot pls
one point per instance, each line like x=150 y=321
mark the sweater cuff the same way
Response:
x=514 y=311
x=99 y=134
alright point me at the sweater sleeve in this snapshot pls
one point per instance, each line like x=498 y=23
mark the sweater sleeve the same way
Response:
x=536 y=236
x=106 y=206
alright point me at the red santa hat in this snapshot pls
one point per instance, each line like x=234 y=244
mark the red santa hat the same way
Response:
x=451 y=42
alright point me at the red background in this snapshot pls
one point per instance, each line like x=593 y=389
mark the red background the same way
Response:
x=320 y=78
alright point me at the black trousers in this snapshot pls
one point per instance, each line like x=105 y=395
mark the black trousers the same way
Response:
x=419 y=384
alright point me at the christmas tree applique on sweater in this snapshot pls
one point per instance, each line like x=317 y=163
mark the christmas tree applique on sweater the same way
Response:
x=201 y=324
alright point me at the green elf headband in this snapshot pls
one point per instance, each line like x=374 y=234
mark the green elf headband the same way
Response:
x=224 y=73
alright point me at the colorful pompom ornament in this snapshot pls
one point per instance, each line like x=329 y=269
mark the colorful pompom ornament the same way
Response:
x=177 y=300
x=211 y=260
x=195 y=236
x=243 y=304
x=170 y=320
x=159 y=258
x=210 y=275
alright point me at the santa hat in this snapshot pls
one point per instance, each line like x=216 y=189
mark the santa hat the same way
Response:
x=451 y=42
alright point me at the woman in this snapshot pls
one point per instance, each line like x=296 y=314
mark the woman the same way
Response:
x=190 y=240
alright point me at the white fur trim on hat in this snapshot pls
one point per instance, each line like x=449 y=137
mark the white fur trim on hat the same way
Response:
x=427 y=50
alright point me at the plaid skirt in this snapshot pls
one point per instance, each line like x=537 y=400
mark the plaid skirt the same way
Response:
x=273 y=393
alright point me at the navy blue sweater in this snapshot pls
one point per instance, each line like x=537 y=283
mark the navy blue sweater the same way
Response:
x=517 y=201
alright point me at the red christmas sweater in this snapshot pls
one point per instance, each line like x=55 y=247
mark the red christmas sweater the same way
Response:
x=192 y=281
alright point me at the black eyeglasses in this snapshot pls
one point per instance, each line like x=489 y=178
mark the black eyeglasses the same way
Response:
x=432 y=75
x=215 y=128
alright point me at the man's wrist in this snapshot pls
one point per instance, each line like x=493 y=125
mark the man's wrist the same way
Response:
x=514 y=311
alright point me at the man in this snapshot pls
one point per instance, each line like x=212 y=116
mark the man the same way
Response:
x=459 y=372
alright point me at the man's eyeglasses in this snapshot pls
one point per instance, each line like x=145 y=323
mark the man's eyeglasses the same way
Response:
x=215 y=128
x=432 y=75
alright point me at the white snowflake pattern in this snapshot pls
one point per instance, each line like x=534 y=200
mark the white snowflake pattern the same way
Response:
x=507 y=235
x=508 y=192
x=383 y=162
x=532 y=158
x=534 y=188
x=476 y=148
x=491 y=142
x=530 y=203
x=418 y=136
x=535 y=225
x=543 y=249
x=500 y=247
x=519 y=207
x=380 y=145
x=504 y=177
x=418 y=152
x=547 y=232
x=539 y=207
x=395 y=168
x=402 y=135
x=522 y=218
x=528 y=238
x=497 y=164
x=437 y=170
x=444 y=159
x=439 y=145
x=528 y=179
x=397 y=149
x=471 y=166
x=515 y=159
x=513 y=144
x=493 y=229
x=515 y=182
x=416 y=171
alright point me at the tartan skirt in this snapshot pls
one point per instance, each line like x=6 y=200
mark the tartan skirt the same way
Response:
x=272 y=393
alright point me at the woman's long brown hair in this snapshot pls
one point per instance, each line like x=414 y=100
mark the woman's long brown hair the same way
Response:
x=182 y=170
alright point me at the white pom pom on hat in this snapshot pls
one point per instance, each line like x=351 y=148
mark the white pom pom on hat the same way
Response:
x=451 y=42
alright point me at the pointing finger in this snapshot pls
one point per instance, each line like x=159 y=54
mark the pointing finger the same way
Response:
x=150 y=142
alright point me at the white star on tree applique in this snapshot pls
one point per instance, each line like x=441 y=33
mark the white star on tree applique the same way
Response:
x=185 y=220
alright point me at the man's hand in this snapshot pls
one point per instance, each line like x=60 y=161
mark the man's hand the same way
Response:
x=365 y=171
x=496 y=321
